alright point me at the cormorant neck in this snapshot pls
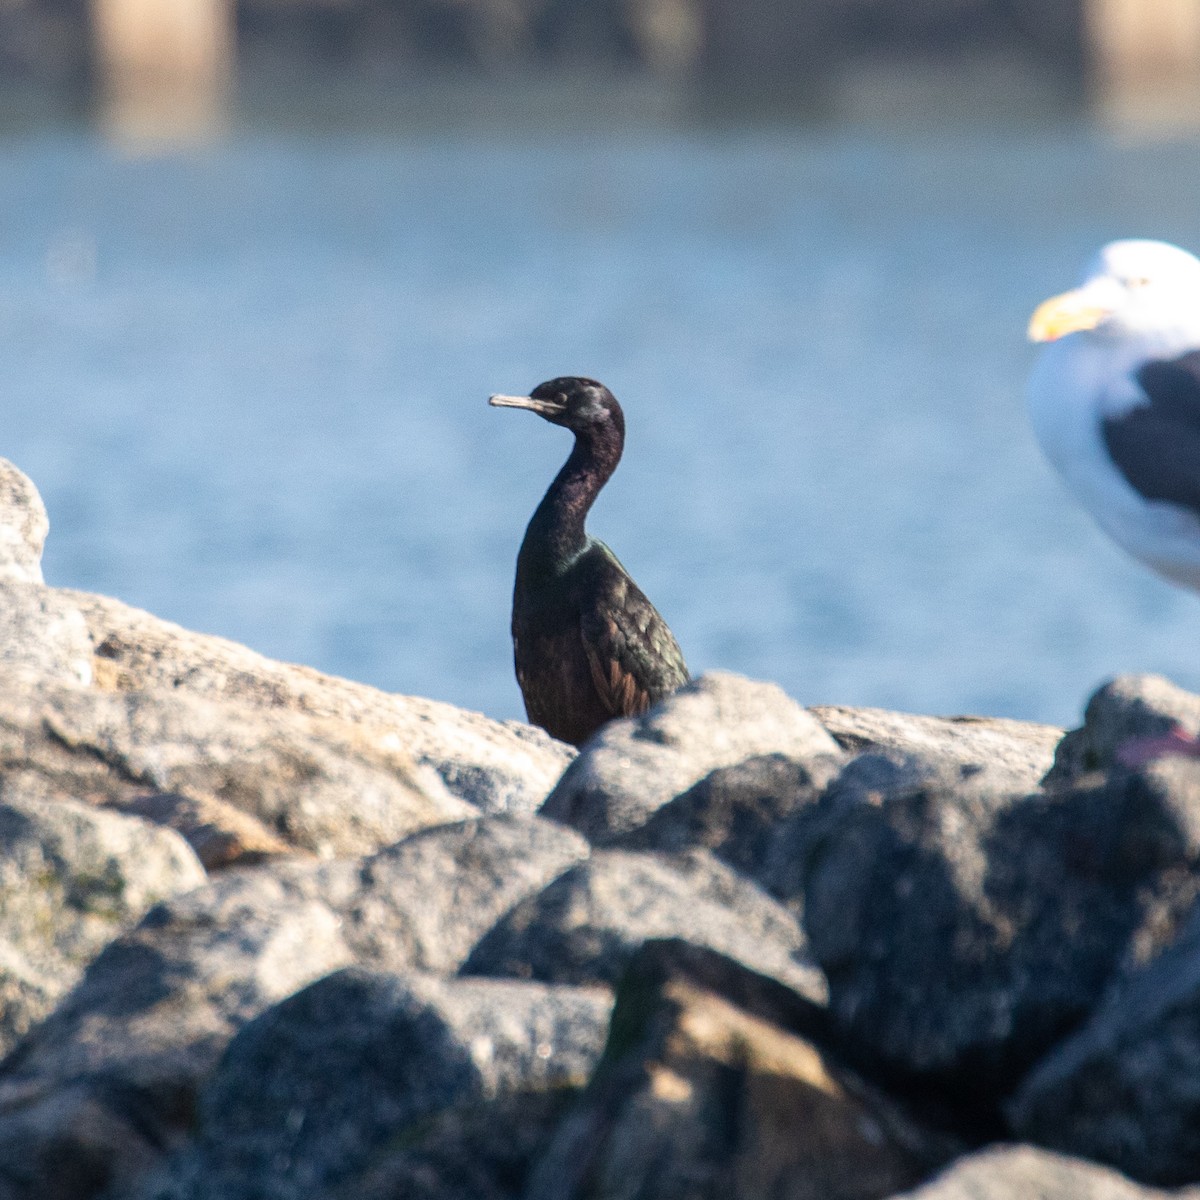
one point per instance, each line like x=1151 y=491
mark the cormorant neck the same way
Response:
x=556 y=536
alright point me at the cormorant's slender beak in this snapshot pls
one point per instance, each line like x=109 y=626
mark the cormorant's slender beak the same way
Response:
x=1069 y=313
x=544 y=408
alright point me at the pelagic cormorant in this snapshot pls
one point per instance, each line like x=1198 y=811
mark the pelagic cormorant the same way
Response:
x=587 y=644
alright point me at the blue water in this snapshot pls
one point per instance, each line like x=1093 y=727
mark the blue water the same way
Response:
x=250 y=382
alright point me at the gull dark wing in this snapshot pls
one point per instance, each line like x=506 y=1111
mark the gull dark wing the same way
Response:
x=634 y=658
x=1156 y=446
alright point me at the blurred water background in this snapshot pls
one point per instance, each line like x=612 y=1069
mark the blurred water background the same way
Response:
x=249 y=375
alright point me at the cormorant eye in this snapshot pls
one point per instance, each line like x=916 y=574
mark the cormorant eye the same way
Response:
x=561 y=398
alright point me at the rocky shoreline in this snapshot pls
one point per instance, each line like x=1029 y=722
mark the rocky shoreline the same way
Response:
x=268 y=933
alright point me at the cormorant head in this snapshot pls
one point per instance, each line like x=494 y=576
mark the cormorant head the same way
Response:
x=1132 y=288
x=579 y=404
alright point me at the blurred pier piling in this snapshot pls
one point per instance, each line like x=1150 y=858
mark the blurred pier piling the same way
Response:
x=1143 y=41
x=1143 y=57
x=163 y=67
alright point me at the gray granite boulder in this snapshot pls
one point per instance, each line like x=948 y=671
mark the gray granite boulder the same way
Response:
x=220 y=833
x=494 y=766
x=631 y=768
x=1126 y=708
x=309 y=1092
x=317 y=784
x=1125 y=1089
x=1014 y=755
x=106 y=1084
x=426 y=902
x=709 y=1090
x=72 y=878
x=110 y=1078
x=1028 y=1173
x=23 y=526
x=478 y=1151
x=584 y=927
x=964 y=930
x=735 y=811
x=43 y=636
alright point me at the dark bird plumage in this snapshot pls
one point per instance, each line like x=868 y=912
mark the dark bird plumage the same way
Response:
x=1156 y=445
x=587 y=644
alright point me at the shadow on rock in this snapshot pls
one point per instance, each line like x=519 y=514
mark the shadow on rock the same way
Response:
x=712 y=1086
x=964 y=931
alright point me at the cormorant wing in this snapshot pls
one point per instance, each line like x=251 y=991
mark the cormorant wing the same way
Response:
x=634 y=658
x=1156 y=445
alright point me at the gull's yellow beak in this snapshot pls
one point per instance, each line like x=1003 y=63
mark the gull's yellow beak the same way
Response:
x=1068 y=313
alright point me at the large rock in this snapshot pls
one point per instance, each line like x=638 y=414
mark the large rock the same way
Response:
x=698 y=1097
x=963 y=930
x=426 y=902
x=108 y=1083
x=1125 y=1089
x=310 y=1091
x=1127 y=708
x=476 y=1151
x=496 y=766
x=23 y=526
x=219 y=833
x=98 y=1092
x=318 y=784
x=1027 y=1173
x=584 y=926
x=631 y=768
x=71 y=879
x=43 y=636
x=735 y=811
x=1014 y=755
x=659 y=962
